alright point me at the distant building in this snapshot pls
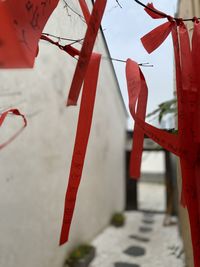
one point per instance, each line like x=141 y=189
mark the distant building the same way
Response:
x=35 y=167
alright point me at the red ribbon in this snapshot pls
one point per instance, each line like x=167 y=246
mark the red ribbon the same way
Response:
x=187 y=121
x=22 y=23
x=86 y=50
x=87 y=71
x=85 y=10
x=188 y=94
x=137 y=89
x=3 y=116
x=138 y=133
x=82 y=136
x=69 y=49
x=196 y=64
x=154 y=15
x=156 y=37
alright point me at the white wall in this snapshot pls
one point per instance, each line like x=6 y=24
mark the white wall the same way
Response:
x=188 y=9
x=153 y=162
x=35 y=168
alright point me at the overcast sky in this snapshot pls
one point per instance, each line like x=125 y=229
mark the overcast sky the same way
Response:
x=123 y=29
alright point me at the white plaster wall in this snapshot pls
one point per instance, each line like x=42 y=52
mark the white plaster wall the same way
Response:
x=35 y=167
x=189 y=8
x=153 y=162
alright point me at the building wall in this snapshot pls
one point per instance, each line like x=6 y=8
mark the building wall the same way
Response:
x=187 y=9
x=35 y=167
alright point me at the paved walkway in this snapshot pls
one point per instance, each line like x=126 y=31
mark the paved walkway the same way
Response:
x=143 y=241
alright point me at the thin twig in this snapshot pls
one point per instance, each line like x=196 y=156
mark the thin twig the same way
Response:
x=124 y=61
x=163 y=14
x=62 y=38
x=151 y=9
x=74 y=11
x=118 y=3
x=75 y=41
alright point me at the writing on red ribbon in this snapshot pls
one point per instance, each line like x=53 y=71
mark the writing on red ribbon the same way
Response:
x=22 y=23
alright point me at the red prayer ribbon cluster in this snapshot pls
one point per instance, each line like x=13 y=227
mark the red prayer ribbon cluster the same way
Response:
x=186 y=143
x=23 y=25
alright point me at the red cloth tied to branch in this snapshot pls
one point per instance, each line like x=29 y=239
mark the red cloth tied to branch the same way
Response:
x=80 y=146
x=151 y=13
x=69 y=49
x=94 y=22
x=137 y=91
x=85 y=10
x=22 y=23
x=187 y=61
x=86 y=73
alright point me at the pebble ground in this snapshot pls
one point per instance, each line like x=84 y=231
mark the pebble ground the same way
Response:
x=143 y=241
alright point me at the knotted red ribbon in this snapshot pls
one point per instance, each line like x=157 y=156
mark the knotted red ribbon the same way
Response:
x=137 y=90
x=69 y=49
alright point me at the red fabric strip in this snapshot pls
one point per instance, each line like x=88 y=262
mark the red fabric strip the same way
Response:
x=138 y=134
x=3 y=116
x=186 y=59
x=189 y=94
x=188 y=91
x=196 y=64
x=163 y=138
x=156 y=37
x=187 y=102
x=86 y=51
x=178 y=73
x=23 y=22
x=72 y=51
x=180 y=96
x=82 y=136
x=154 y=15
x=195 y=50
x=85 y=10
x=69 y=49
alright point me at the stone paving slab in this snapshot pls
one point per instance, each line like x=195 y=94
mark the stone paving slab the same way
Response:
x=143 y=241
x=129 y=247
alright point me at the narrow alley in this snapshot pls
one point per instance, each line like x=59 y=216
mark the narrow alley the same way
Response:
x=143 y=241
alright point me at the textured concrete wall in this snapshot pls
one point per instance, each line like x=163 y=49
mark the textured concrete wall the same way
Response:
x=35 y=168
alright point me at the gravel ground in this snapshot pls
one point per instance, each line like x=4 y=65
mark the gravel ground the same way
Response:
x=143 y=241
